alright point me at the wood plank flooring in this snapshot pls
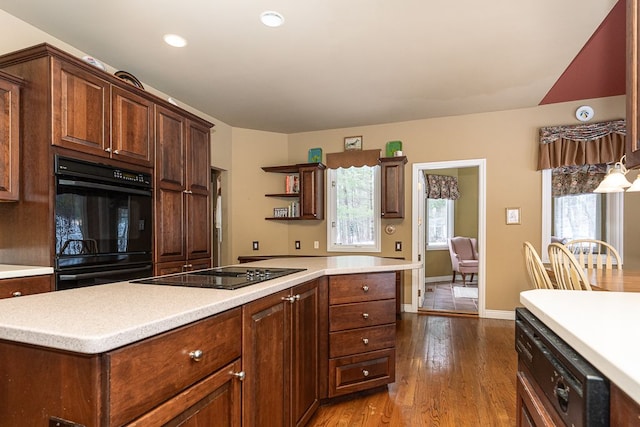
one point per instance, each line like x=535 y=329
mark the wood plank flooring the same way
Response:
x=450 y=371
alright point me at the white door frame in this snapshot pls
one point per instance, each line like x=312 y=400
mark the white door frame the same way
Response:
x=417 y=221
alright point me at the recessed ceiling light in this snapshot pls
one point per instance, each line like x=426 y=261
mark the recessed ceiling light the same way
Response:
x=174 y=40
x=271 y=18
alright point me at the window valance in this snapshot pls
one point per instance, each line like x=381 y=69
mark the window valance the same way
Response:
x=357 y=158
x=572 y=180
x=576 y=145
x=442 y=187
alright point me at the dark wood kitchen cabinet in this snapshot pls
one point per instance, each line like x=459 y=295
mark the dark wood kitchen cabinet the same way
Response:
x=9 y=137
x=98 y=118
x=281 y=356
x=189 y=373
x=625 y=412
x=182 y=199
x=311 y=193
x=392 y=186
x=532 y=407
x=21 y=286
x=362 y=314
x=633 y=85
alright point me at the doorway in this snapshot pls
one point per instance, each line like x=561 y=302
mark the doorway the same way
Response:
x=419 y=224
x=216 y=209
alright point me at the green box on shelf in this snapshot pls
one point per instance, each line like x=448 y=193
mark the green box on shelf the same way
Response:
x=315 y=155
x=392 y=147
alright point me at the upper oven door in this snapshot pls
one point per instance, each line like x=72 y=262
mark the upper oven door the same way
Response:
x=98 y=223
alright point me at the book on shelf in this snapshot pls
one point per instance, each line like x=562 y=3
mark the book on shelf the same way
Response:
x=292 y=184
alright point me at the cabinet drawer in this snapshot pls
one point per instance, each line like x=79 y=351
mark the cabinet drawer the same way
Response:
x=25 y=286
x=361 y=287
x=361 y=340
x=147 y=373
x=361 y=314
x=361 y=372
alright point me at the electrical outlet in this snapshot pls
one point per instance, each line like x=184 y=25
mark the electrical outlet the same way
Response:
x=297 y=244
x=316 y=244
x=398 y=246
x=256 y=245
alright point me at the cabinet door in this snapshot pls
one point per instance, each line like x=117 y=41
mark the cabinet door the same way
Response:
x=215 y=401
x=198 y=198
x=80 y=110
x=311 y=193
x=633 y=85
x=392 y=200
x=266 y=349
x=305 y=318
x=170 y=185
x=9 y=141
x=132 y=127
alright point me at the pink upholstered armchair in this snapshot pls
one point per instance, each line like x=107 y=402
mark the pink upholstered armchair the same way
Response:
x=464 y=257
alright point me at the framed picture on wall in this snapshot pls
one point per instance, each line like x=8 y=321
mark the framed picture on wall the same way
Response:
x=353 y=143
x=513 y=216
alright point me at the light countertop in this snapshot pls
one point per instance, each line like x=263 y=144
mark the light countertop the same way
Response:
x=9 y=271
x=604 y=327
x=100 y=318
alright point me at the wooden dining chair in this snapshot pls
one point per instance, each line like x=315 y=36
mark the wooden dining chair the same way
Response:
x=537 y=273
x=567 y=271
x=593 y=253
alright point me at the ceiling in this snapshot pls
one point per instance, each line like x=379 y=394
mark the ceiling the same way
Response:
x=334 y=63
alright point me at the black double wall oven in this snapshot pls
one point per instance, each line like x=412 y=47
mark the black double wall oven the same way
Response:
x=103 y=224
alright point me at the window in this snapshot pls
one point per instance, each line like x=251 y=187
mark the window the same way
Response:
x=440 y=222
x=353 y=199
x=591 y=215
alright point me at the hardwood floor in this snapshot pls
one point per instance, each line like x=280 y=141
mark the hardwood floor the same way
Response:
x=450 y=371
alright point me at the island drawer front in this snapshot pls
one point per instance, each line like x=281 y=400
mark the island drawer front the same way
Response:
x=348 y=288
x=147 y=373
x=361 y=372
x=361 y=314
x=361 y=340
x=21 y=286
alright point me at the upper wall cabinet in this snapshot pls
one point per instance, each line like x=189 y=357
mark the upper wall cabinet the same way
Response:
x=95 y=117
x=9 y=137
x=633 y=100
x=392 y=188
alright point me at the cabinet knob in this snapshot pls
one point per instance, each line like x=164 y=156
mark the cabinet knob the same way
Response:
x=365 y=315
x=239 y=375
x=116 y=151
x=188 y=192
x=365 y=288
x=291 y=298
x=196 y=355
x=365 y=341
x=16 y=294
x=365 y=372
x=108 y=149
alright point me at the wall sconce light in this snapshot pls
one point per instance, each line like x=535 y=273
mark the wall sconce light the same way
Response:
x=615 y=180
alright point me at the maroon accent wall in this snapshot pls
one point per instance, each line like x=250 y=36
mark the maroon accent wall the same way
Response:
x=599 y=68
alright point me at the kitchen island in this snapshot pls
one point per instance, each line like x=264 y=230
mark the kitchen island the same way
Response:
x=602 y=328
x=112 y=345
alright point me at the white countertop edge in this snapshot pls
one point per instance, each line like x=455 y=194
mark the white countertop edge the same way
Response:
x=11 y=271
x=619 y=367
x=201 y=303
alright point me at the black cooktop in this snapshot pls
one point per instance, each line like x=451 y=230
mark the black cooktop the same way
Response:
x=221 y=277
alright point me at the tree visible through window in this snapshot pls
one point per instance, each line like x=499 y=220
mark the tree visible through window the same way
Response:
x=354 y=209
x=439 y=222
x=578 y=216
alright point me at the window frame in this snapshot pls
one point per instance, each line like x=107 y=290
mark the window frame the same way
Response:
x=614 y=222
x=332 y=213
x=451 y=207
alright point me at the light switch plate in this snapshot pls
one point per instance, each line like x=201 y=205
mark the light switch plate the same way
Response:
x=398 y=246
x=256 y=245
x=297 y=244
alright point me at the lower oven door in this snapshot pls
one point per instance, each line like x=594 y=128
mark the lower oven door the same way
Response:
x=99 y=275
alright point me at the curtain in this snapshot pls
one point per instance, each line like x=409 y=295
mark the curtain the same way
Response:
x=571 y=180
x=578 y=145
x=442 y=187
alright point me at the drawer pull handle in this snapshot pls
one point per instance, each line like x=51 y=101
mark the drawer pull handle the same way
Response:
x=196 y=355
x=365 y=372
x=16 y=294
x=239 y=375
x=291 y=299
x=108 y=150
x=365 y=341
x=365 y=315
x=116 y=151
x=365 y=288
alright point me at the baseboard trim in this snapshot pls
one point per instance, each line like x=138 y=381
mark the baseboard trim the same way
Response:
x=500 y=314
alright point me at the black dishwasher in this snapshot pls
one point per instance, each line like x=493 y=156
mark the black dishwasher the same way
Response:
x=578 y=392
